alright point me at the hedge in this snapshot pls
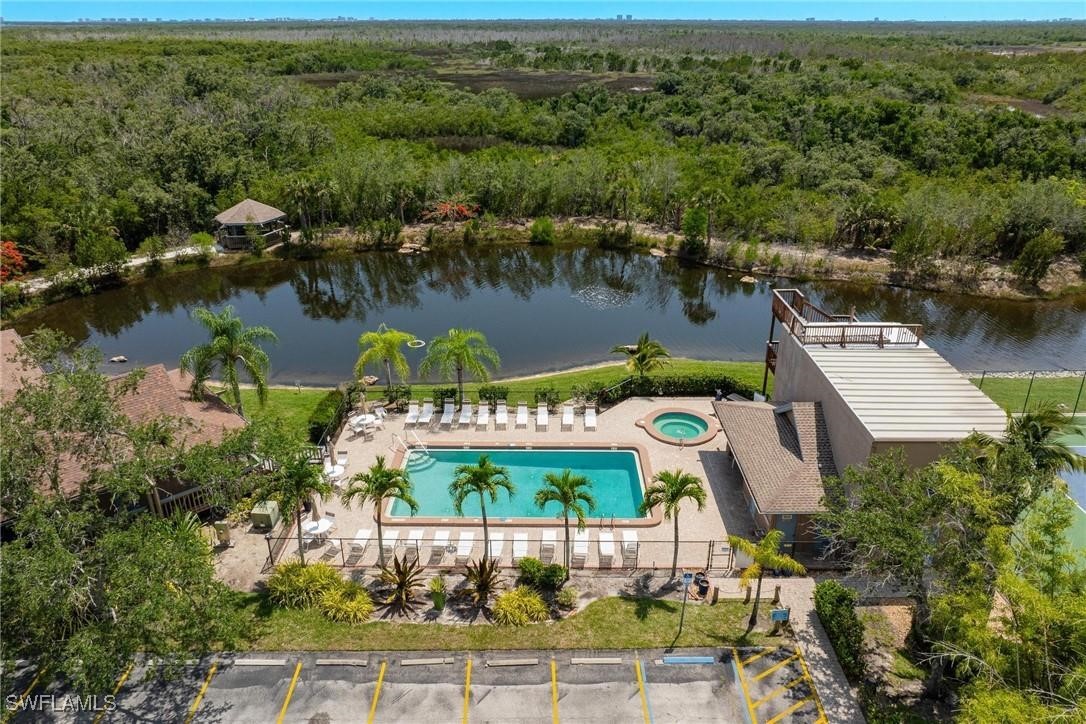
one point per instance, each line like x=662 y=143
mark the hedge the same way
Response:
x=670 y=386
x=326 y=415
x=836 y=608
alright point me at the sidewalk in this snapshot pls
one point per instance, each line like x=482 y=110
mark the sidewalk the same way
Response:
x=36 y=286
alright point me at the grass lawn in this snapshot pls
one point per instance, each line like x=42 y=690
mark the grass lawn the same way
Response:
x=609 y=623
x=292 y=406
x=1010 y=392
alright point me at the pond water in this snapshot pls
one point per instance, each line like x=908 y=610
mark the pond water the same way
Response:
x=542 y=308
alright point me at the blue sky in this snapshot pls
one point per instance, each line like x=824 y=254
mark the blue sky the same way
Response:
x=65 y=10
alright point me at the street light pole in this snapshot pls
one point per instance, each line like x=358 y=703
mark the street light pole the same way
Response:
x=687 y=579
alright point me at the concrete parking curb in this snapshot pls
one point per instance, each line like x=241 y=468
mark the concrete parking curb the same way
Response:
x=595 y=661
x=427 y=662
x=342 y=662
x=513 y=662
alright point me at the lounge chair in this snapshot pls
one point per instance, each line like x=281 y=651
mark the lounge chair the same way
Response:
x=542 y=417
x=520 y=546
x=522 y=414
x=438 y=545
x=464 y=546
x=341 y=458
x=501 y=416
x=361 y=540
x=567 y=417
x=447 y=414
x=414 y=542
x=546 y=545
x=629 y=545
x=465 y=415
x=388 y=541
x=607 y=548
x=482 y=418
x=590 y=418
x=580 y=547
x=497 y=545
x=427 y=414
x=412 y=414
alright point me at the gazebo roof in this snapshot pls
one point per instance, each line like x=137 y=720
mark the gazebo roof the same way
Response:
x=249 y=212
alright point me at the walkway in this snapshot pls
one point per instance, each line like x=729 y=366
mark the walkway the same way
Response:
x=41 y=284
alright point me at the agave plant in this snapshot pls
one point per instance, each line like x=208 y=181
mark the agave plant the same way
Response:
x=483 y=581
x=402 y=578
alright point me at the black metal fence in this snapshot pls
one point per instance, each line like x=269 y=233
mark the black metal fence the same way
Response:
x=1017 y=391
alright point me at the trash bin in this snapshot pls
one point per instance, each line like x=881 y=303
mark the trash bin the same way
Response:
x=702 y=582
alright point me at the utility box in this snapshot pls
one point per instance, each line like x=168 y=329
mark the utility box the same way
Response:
x=265 y=515
x=222 y=533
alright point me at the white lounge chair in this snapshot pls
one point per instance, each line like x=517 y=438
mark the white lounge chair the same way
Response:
x=590 y=418
x=361 y=540
x=542 y=417
x=447 y=414
x=427 y=414
x=482 y=418
x=520 y=546
x=567 y=417
x=522 y=414
x=497 y=545
x=501 y=415
x=629 y=545
x=341 y=458
x=412 y=414
x=464 y=545
x=607 y=548
x=465 y=414
x=438 y=545
x=388 y=542
x=546 y=545
x=580 y=547
x=414 y=541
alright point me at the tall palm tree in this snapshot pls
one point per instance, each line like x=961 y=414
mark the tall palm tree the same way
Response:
x=1040 y=432
x=763 y=554
x=378 y=484
x=571 y=492
x=645 y=356
x=232 y=345
x=384 y=345
x=293 y=481
x=460 y=351
x=669 y=489
x=484 y=479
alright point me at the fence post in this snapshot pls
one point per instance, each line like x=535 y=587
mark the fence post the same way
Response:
x=1032 y=377
x=271 y=558
x=1078 y=397
x=980 y=385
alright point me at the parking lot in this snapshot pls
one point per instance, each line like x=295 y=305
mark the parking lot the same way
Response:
x=744 y=686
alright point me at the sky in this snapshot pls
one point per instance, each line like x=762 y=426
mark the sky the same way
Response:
x=66 y=10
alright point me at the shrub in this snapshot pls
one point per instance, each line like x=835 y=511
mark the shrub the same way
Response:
x=542 y=231
x=547 y=395
x=1037 y=256
x=530 y=571
x=437 y=591
x=471 y=231
x=401 y=578
x=750 y=255
x=400 y=394
x=326 y=415
x=483 y=581
x=11 y=295
x=493 y=393
x=589 y=392
x=12 y=262
x=776 y=262
x=440 y=394
x=348 y=602
x=105 y=254
x=566 y=598
x=836 y=608
x=677 y=386
x=540 y=576
x=612 y=236
x=520 y=607
x=695 y=226
x=294 y=585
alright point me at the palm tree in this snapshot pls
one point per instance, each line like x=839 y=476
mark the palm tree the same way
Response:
x=644 y=357
x=669 y=489
x=460 y=351
x=1041 y=433
x=763 y=554
x=376 y=485
x=232 y=344
x=384 y=345
x=293 y=481
x=569 y=491
x=483 y=479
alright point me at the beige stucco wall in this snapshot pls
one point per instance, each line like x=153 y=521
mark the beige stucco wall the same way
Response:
x=917 y=454
x=799 y=379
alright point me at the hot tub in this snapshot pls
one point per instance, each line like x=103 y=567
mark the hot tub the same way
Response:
x=677 y=426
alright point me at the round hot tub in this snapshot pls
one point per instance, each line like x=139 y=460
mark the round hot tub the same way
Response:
x=679 y=427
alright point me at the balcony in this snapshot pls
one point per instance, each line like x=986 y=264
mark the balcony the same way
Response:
x=810 y=324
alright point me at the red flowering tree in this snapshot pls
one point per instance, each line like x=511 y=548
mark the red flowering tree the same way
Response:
x=455 y=208
x=12 y=262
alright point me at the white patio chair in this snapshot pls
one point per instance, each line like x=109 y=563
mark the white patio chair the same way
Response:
x=501 y=415
x=482 y=418
x=520 y=546
x=590 y=418
x=464 y=545
x=388 y=542
x=607 y=548
x=497 y=545
x=567 y=417
x=629 y=545
x=547 y=544
x=580 y=547
x=438 y=546
x=427 y=415
x=522 y=414
x=412 y=414
x=361 y=541
x=542 y=417
x=414 y=541
x=341 y=458
x=447 y=414
x=465 y=414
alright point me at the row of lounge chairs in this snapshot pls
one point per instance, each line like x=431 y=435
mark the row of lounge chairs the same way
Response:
x=438 y=547
x=425 y=416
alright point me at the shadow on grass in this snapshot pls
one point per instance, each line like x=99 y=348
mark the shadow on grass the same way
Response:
x=644 y=605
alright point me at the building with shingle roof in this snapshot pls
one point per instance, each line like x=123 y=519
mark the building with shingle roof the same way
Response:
x=241 y=222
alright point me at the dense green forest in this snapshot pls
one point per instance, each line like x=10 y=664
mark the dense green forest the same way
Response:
x=945 y=141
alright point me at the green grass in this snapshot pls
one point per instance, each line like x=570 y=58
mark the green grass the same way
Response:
x=610 y=623
x=903 y=668
x=292 y=406
x=1010 y=392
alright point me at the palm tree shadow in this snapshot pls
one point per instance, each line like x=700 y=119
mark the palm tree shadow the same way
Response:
x=644 y=604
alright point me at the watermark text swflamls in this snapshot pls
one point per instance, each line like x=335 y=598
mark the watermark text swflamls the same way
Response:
x=66 y=703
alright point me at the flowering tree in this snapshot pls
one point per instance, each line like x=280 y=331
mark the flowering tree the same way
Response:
x=12 y=262
x=457 y=207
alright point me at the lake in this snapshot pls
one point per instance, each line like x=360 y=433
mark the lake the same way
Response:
x=542 y=308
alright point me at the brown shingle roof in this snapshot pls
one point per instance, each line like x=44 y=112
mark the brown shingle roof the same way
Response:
x=13 y=372
x=783 y=451
x=249 y=212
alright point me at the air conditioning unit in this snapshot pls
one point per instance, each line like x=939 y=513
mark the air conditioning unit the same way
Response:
x=265 y=515
x=222 y=533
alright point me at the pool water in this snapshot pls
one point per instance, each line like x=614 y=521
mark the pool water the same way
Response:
x=615 y=476
x=680 y=425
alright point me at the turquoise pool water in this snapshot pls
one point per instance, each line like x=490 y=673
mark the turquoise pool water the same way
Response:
x=680 y=425
x=615 y=476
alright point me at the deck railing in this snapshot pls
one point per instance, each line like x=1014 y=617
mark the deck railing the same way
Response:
x=810 y=324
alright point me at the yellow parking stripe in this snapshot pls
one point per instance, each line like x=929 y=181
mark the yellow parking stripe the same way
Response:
x=743 y=686
x=554 y=692
x=467 y=692
x=779 y=690
x=822 y=718
x=790 y=709
x=377 y=691
x=290 y=693
x=203 y=690
x=641 y=688
x=22 y=697
x=116 y=688
x=775 y=666
x=760 y=654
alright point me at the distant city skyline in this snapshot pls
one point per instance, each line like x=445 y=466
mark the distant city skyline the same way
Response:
x=852 y=10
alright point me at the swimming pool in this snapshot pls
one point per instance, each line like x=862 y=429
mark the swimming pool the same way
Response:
x=615 y=475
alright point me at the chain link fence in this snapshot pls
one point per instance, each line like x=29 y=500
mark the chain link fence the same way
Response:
x=1017 y=391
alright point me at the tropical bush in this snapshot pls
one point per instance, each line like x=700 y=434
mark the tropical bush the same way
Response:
x=1037 y=256
x=440 y=394
x=675 y=386
x=326 y=415
x=566 y=598
x=542 y=231
x=295 y=585
x=492 y=393
x=520 y=607
x=483 y=581
x=348 y=602
x=548 y=396
x=540 y=576
x=399 y=394
x=836 y=608
x=401 y=580
x=438 y=592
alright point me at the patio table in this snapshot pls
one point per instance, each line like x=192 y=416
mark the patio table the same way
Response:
x=317 y=528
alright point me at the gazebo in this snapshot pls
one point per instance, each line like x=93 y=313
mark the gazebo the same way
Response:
x=250 y=217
